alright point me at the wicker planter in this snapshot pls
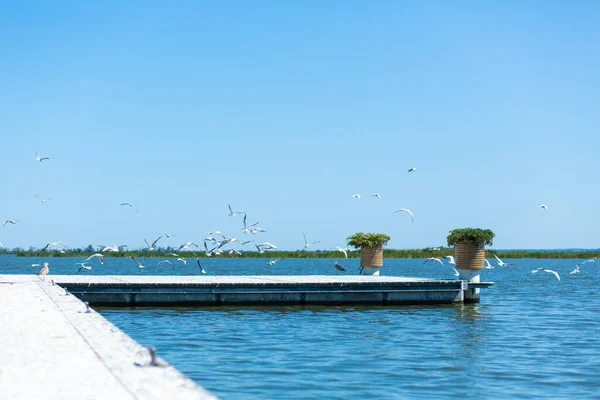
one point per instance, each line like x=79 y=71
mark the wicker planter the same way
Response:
x=371 y=256
x=469 y=256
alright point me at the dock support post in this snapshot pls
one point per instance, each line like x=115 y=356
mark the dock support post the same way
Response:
x=370 y=271
x=473 y=276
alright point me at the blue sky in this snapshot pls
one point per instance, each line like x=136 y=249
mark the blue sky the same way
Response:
x=287 y=109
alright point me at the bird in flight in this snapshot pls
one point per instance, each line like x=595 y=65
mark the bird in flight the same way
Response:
x=535 y=271
x=451 y=259
x=543 y=206
x=376 y=195
x=10 y=221
x=130 y=205
x=99 y=256
x=412 y=169
x=306 y=244
x=487 y=264
x=234 y=213
x=247 y=228
x=273 y=261
x=40 y=158
x=501 y=263
x=43 y=200
x=136 y=262
x=166 y=262
x=151 y=246
x=356 y=196
x=406 y=210
x=338 y=267
x=433 y=259
x=186 y=245
x=345 y=251
x=83 y=265
x=168 y=235
x=200 y=266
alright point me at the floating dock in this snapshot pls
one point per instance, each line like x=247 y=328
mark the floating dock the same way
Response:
x=120 y=290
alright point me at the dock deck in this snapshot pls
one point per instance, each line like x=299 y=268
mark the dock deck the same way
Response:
x=53 y=349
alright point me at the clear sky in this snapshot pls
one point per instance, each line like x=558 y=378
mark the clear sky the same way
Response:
x=286 y=109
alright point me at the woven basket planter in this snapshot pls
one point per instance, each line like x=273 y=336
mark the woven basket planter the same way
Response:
x=371 y=256
x=469 y=256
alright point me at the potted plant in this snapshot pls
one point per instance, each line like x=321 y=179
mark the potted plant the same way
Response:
x=371 y=250
x=469 y=245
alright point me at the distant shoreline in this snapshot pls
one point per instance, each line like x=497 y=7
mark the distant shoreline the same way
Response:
x=388 y=253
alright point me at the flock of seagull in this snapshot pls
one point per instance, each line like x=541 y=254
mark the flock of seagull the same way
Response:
x=213 y=245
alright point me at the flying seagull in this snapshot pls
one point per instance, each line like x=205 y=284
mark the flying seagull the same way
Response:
x=306 y=244
x=10 y=221
x=376 y=195
x=200 y=265
x=543 y=206
x=406 y=210
x=433 y=259
x=451 y=259
x=40 y=158
x=166 y=262
x=136 y=261
x=130 y=205
x=186 y=245
x=338 y=267
x=500 y=263
x=83 y=265
x=356 y=196
x=234 y=213
x=412 y=169
x=43 y=200
x=535 y=271
x=345 y=251
x=99 y=256
x=487 y=264
x=151 y=246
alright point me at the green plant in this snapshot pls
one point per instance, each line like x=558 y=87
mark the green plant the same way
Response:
x=470 y=235
x=360 y=239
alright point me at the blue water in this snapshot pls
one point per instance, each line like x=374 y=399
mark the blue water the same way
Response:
x=531 y=336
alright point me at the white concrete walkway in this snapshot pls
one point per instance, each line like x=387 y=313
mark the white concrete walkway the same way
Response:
x=50 y=348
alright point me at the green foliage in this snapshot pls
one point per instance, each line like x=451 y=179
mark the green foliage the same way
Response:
x=470 y=235
x=360 y=239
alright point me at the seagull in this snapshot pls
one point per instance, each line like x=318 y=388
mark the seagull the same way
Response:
x=306 y=244
x=83 y=266
x=535 y=271
x=500 y=263
x=234 y=251
x=376 y=195
x=40 y=158
x=200 y=265
x=487 y=264
x=216 y=233
x=406 y=210
x=114 y=249
x=151 y=246
x=356 y=196
x=412 y=169
x=338 y=267
x=273 y=261
x=543 y=206
x=257 y=229
x=268 y=246
x=345 y=251
x=247 y=227
x=10 y=221
x=168 y=235
x=45 y=247
x=166 y=262
x=43 y=200
x=45 y=270
x=232 y=213
x=130 y=205
x=258 y=248
x=183 y=260
x=575 y=271
x=136 y=261
x=451 y=259
x=433 y=259
x=99 y=256
x=1 y=245
x=186 y=245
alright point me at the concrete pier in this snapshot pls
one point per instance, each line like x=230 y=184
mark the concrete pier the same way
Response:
x=53 y=349
x=244 y=290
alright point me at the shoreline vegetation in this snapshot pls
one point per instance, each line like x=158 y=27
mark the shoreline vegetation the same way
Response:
x=389 y=253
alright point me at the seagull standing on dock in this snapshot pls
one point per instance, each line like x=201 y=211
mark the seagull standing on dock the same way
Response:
x=45 y=270
x=338 y=267
x=406 y=210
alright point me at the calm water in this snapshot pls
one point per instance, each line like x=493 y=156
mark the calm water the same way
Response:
x=530 y=337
